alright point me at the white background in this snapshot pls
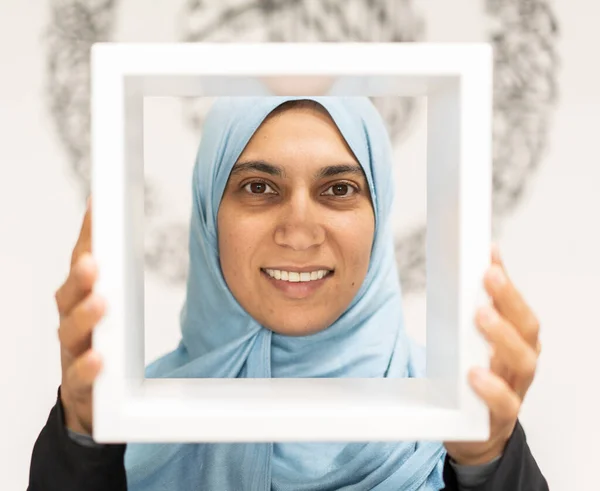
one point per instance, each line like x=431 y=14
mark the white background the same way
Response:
x=551 y=243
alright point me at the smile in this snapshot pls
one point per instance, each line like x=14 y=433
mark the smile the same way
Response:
x=297 y=285
x=297 y=276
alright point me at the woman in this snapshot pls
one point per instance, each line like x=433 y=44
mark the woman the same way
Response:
x=292 y=274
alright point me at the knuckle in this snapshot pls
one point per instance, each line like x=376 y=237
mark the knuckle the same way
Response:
x=74 y=256
x=499 y=405
x=495 y=393
x=528 y=364
x=65 y=335
x=534 y=325
x=75 y=330
x=79 y=318
x=61 y=330
x=89 y=312
x=58 y=299
x=73 y=273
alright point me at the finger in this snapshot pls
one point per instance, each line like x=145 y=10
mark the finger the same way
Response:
x=81 y=374
x=514 y=357
x=84 y=241
x=497 y=365
x=511 y=304
x=503 y=402
x=75 y=331
x=496 y=259
x=78 y=284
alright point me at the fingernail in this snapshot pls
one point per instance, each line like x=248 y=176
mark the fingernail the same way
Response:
x=87 y=259
x=91 y=304
x=496 y=276
x=84 y=263
x=495 y=252
x=479 y=375
x=487 y=316
x=94 y=303
x=93 y=359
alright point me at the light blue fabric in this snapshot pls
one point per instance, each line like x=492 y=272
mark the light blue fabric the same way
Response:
x=219 y=339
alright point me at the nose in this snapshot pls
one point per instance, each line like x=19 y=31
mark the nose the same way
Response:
x=299 y=227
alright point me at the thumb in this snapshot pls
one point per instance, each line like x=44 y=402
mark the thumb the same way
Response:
x=496 y=259
x=84 y=241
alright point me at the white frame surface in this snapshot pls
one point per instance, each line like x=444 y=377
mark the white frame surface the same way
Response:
x=457 y=79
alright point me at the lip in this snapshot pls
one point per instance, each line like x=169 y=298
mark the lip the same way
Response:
x=299 y=269
x=297 y=290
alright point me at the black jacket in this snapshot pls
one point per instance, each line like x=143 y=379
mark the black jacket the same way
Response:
x=60 y=464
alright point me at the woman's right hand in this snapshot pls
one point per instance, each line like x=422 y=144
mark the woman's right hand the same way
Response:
x=79 y=309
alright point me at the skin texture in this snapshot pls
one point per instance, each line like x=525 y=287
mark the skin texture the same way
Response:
x=298 y=219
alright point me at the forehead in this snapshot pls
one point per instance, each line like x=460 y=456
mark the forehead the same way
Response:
x=299 y=133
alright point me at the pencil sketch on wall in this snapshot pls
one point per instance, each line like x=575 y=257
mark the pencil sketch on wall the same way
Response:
x=524 y=35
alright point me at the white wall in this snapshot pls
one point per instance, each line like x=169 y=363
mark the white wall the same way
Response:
x=550 y=243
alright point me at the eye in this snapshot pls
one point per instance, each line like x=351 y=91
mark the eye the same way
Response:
x=340 y=189
x=258 y=187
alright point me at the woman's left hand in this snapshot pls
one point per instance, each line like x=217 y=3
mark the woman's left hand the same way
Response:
x=512 y=330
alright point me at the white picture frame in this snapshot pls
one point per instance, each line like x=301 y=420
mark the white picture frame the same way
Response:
x=457 y=80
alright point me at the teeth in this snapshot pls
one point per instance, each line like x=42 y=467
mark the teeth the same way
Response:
x=295 y=277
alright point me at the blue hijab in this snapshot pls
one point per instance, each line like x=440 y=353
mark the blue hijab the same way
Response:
x=219 y=339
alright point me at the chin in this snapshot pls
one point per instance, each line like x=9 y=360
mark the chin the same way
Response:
x=298 y=327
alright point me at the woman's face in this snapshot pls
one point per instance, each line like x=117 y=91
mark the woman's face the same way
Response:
x=296 y=224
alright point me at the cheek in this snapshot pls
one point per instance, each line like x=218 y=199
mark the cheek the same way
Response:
x=239 y=242
x=356 y=240
x=229 y=245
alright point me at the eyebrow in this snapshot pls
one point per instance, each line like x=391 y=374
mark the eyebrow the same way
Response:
x=274 y=170
x=260 y=166
x=335 y=170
